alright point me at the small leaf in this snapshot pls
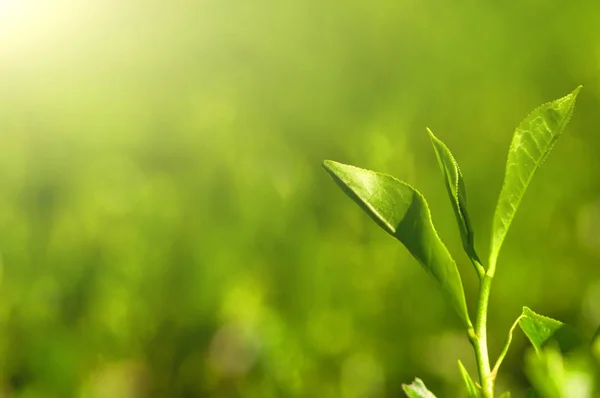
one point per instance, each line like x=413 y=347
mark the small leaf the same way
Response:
x=403 y=212
x=472 y=390
x=505 y=394
x=540 y=330
x=417 y=390
x=531 y=143
x=455 y=185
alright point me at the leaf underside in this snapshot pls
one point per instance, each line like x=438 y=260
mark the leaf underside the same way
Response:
x=455 y=185
x=531 y=143
x=472 y=390
x=403 y=212
x=417 y=389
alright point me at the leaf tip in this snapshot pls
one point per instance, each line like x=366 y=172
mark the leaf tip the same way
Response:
x=329 y=165
x=575 y=92
x=432 y=137
x=526 y=312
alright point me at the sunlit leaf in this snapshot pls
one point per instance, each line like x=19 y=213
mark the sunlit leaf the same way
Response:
x=403 y=212
x=455 y=185
x=540 y=330
x=472 y=390
x=531 y=143
x=545 y=370
x=554 y=375
x=417 y=389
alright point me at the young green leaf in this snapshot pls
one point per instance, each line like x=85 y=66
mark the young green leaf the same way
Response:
x=455 y=185
x=403 y=212
x=505 y=394
x=540 y=330
x=531 y=143
x=417 y=389
x=472 y=390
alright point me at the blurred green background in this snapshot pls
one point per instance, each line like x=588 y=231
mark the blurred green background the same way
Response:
x=166 y=228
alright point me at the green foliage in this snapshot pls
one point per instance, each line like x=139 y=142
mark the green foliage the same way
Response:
x=417 y=389
x=455 y=185
x=538 y=328
x=531 y=144
x=472 y=390
x=541 y=330
x=166 y=230
x=554 y=375
x=402 y=211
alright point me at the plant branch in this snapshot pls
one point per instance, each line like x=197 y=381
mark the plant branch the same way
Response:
x=478 y=268
x=505 y=349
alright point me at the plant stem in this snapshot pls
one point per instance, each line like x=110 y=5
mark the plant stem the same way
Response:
x=478 y=268
x=478 y=336
x=505 y=349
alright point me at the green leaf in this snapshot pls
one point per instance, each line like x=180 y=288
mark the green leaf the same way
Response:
x=455 y=185
x=595 y=344
x=554 y=375
x=472 y=390
x=403 y=212
x=531 y=143
x=506 y=394
x=417 y=390
x=540 y=330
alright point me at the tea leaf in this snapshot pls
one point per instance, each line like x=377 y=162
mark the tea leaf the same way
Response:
x=531 y=143
x=455 y=185
x=403 y=212
x=540 y=330
x=554 y=375
x=472 y=390
x=417 y=390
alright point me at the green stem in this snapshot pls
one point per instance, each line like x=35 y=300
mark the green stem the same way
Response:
x=505 y=349
x=478 y=268
x=479 y=338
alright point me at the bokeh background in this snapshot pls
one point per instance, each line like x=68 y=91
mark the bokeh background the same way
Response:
x=166 y=228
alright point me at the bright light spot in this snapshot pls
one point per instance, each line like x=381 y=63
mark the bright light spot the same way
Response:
x=17 y=17
x=579 y=385
x=37 y=24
